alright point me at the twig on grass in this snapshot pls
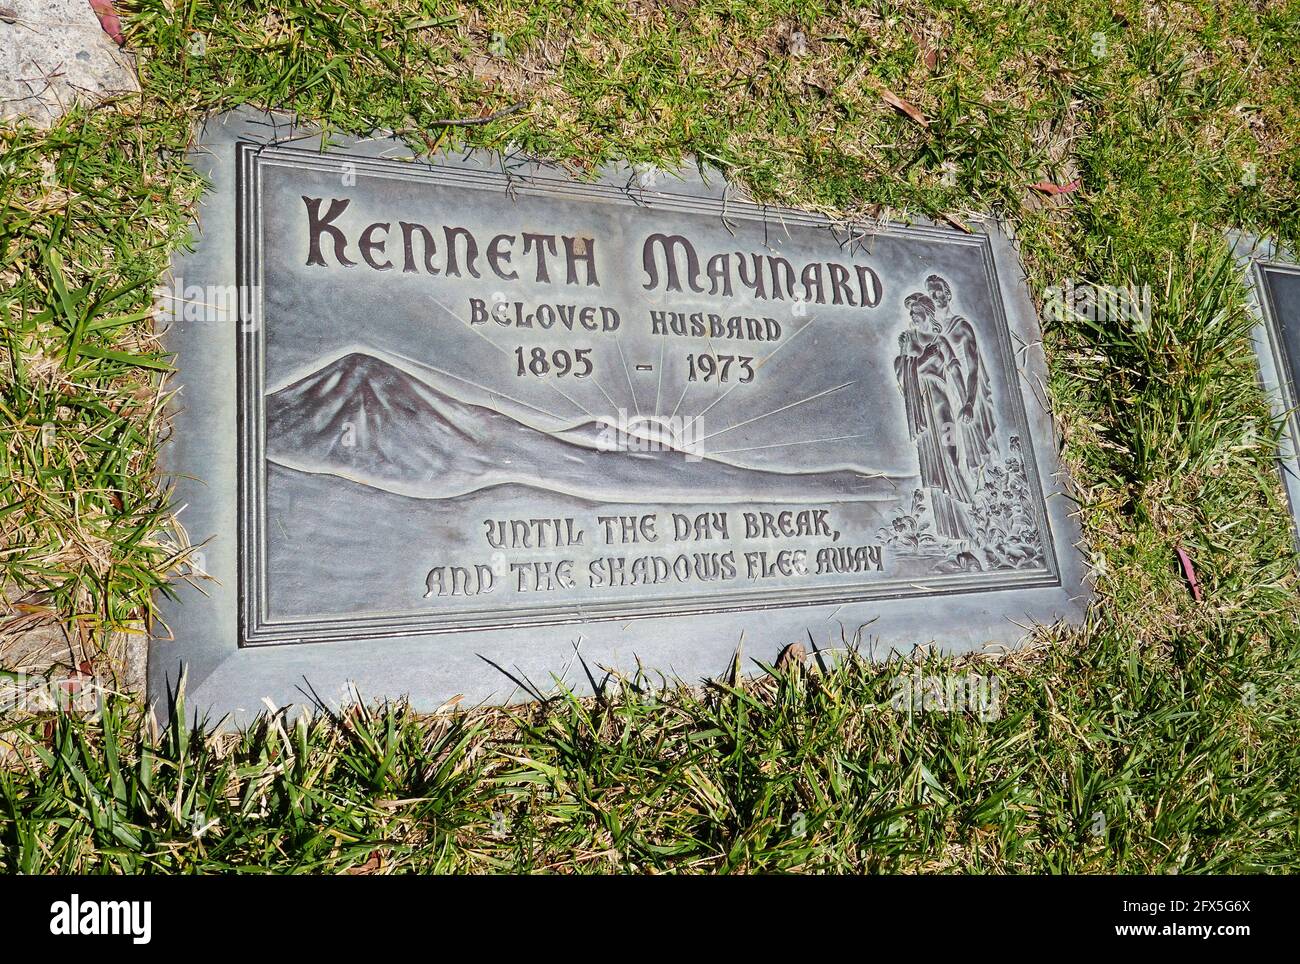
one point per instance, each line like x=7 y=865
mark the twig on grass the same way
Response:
x=483 y=119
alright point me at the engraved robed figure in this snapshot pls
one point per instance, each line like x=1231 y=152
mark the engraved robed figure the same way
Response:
x=949 y=409
x=975 y=416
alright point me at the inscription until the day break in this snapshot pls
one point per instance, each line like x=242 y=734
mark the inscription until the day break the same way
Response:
x=674 y=532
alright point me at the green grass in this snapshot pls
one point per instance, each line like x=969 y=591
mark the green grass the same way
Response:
x=1159 y=738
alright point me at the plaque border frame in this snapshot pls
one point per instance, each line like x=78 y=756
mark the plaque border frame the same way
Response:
x=257 y=629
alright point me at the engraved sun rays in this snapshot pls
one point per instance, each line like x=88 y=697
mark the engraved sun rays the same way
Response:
x=634 y=399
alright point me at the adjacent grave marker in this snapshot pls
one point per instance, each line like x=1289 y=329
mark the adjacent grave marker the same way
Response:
x=461 y=428
x=1274 y=283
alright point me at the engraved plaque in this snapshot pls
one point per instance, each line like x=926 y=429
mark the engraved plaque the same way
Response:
x=473 y=427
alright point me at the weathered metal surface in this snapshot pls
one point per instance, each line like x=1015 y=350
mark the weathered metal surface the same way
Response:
x=445 y=428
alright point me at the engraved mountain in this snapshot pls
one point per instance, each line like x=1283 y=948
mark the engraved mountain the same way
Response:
x=363 y=419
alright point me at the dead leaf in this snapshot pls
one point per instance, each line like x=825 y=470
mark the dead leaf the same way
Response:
x=956 y=222
x=929 y=51
x=371 y=866
x=791 y=658
x=1047 y=187
x=896 y=102
x=108 y=19
x=1189 y=572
